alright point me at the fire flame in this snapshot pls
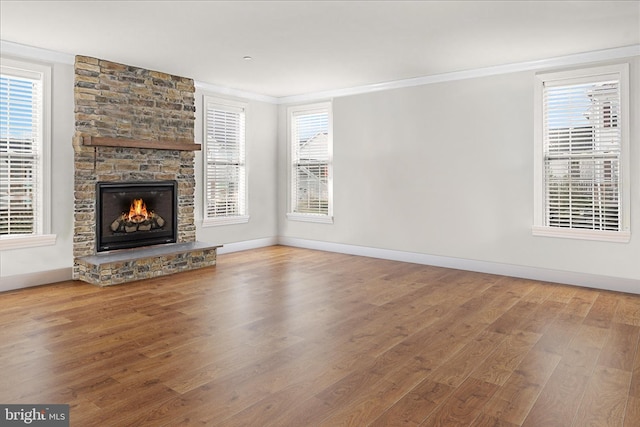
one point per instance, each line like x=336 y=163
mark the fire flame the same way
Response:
x=138 y=211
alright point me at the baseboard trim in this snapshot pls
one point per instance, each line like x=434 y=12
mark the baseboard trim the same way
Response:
x=247 y=244
x=618 y=284
x=19 y=281
x=547 y=275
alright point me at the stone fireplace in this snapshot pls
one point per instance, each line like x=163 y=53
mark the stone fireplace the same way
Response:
x=134 y=127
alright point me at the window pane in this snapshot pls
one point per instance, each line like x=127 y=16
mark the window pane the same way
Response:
x=310 y=162
x=582 y=148
x=312 y=188
x=20 y=144
x=225 y=169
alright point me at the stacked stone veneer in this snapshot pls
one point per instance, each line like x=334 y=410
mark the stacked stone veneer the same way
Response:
x=130 y=103
x=118 y=271
x=117 y=100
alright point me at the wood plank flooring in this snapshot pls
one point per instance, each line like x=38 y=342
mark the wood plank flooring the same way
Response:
x=284 y=336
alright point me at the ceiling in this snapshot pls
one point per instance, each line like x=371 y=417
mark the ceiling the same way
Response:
x=302 y=47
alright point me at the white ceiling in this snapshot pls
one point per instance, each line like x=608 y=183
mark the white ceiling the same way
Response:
x=305 y=47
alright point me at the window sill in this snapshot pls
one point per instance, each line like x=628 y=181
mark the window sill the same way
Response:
x=227 y=220
x=26 y=241
x=602 y=236
x=322 y=219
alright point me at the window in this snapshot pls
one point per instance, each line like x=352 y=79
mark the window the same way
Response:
x=24 y=155
x=310 y=143
x=582 y=167
x=225 y=170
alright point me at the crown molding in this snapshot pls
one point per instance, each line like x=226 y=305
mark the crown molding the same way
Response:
x=16 y=49
x=560 y=61
x=31 y=52
x=237 y=93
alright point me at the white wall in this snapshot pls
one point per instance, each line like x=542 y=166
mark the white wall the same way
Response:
x=446 y=169
x=440 y=170
x=54 y=263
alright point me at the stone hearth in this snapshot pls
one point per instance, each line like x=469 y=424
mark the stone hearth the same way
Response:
x=123 y=266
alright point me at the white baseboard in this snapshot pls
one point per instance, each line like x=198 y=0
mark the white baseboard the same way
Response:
x=28 y=280
x=247 y=244
x=557 y=276
x=547 y=275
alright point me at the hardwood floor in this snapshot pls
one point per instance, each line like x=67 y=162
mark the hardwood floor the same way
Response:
x=291 y=337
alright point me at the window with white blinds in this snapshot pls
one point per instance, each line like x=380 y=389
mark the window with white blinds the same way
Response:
x=582 y=150
x=311 y=162
x=224 y=162
x=22 y=150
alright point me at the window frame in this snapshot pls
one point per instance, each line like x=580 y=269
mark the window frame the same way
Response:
x=325 y=107
x=227 y=105
x=42 y=235
x=540 y=227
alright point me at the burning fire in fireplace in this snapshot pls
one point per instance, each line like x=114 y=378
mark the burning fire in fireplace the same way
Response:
x=137 y=219
x=138 y=211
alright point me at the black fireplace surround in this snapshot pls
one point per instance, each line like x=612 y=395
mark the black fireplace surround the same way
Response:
x=134 y=214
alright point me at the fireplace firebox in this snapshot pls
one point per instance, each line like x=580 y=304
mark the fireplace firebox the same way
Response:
x=134 y=214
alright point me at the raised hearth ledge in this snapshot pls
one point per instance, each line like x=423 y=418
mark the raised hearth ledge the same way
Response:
x=146 y=252
x=127 y=265
x=99 y=141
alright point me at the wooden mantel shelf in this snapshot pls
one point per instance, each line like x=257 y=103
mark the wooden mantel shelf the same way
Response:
x=99 y=141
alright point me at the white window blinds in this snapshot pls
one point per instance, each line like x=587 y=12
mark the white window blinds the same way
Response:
x=583 y=148
x=225 y=193
x=582 y=155
x=311 y=160
x=21 y=145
